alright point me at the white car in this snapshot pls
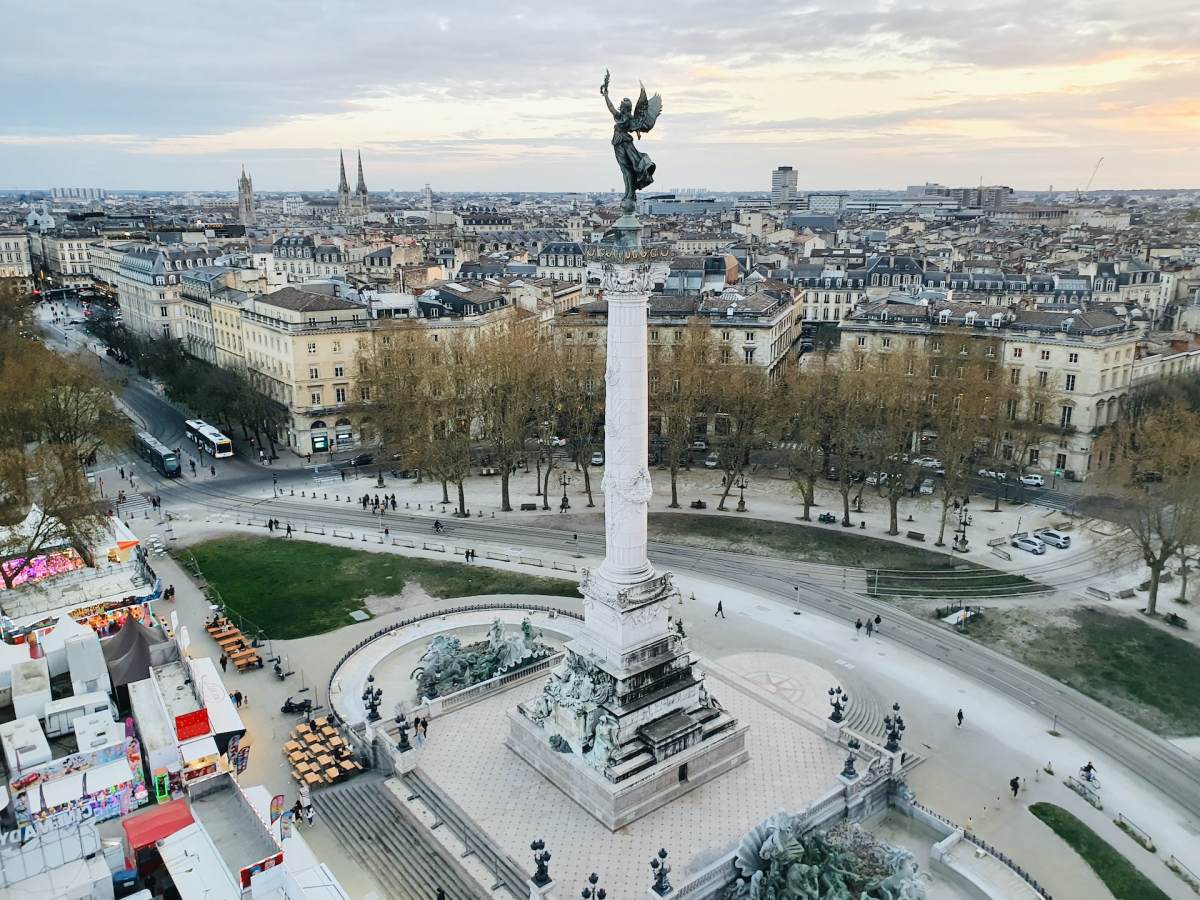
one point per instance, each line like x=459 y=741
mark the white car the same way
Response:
x=926 y=486
x=1033 y=480
x=597 y=458
x=998 y=474
x=1029 y=544
x=1053 y=538
x=699 y=445
x=877 y=478
x=712 y=461
x=926 y=462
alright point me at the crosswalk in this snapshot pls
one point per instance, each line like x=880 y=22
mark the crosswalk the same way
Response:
x=134 y=506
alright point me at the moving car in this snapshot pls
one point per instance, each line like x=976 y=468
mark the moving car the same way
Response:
x=363 y=459
x=1029 y=544
x=712 y=461
x=877 y=478
x=1033 y=480
x=998 y=474
x=597 y=458
x=1053 y=538
x=926 y=486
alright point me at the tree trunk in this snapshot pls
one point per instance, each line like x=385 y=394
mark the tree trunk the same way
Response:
x=674 y=486
x=462 y=498
x=505 y=505
x=587 y=483
x=1183 y=575
x=806 y=495
x=538 y=479
x=725 y=493
x=546 y=484
x=942 y=525
x=844 y=490
x=893 y=514
x=445 y=491
x=1156 y=569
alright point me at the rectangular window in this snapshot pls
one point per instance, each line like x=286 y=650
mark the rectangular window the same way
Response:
x=1067 y=413
x=313 y=372
x=1060 y=461
x=1034 y=455
x=339 y=394
x=364 y=393
x=862 y=341
x=653 y=335
x=749 y=335
x=749 y=354
x=725 y=335
x=1012 y=410
x=339 y=372
x=1014 y=376
x=1072 y=358
x=1070 y=382
x=315 y=398
x=887 y=342
x=336 y=346
x=162 y=311
x=1018 y=352
x=1043 y=379
x=725 y=355
x=312 y=347
x=937 y=346
x=1045 y=355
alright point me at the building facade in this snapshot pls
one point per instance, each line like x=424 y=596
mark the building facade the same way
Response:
x=783 y=185
x=15 y=261
x=149 y=283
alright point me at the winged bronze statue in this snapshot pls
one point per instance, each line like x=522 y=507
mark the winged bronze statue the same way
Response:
x=637 y=168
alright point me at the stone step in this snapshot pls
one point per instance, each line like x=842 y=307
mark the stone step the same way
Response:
x=718 y=723
x=631 y=766
x=506 y=872
x=391 y=843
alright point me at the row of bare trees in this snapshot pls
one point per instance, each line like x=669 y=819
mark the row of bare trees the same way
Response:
x=56 y=415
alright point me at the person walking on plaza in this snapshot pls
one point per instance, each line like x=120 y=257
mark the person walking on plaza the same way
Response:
x=289 y=530
x=1015 y=784
x=720 y=610
x=418 y=738
x=309 y=814
x=870 y=627
x=878 y=622
x=960 y=718
x=424 y=730
x=224 y=663
x=857 y=627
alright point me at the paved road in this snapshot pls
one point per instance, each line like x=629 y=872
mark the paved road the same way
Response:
x=1170 y=770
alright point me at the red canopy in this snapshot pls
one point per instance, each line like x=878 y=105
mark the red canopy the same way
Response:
x=145 y=828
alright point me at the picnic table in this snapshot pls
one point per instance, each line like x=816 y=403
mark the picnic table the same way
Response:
x=311 y=778
x=218 y=627
x=224 y=635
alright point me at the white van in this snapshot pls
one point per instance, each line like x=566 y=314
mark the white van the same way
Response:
x=60 y=714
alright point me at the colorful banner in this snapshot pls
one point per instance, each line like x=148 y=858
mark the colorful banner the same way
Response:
x=231 y=751
x=243 y=760
x=285 y=825
x=276 y=807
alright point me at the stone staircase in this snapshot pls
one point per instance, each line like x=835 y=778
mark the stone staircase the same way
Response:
x=504 y=870
x=390 y=842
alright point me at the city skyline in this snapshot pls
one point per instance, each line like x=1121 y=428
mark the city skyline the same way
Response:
x=866 y=96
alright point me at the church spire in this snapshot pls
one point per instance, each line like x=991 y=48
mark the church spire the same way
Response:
x=343 y=185
x=362 y=184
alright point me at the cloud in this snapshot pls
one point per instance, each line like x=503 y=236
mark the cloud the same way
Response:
x=172 y=93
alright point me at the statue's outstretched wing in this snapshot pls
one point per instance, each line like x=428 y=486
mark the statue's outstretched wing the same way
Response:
x=646 y=112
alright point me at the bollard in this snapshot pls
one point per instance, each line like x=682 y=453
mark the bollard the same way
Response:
x=480 y=513
x=406 y=504
x=418 y=506
x=302 y=493
x=326 y=496
x=347 y=499
x=493 y=514
x=336 y=498
x=145 y=513
x=292 y=493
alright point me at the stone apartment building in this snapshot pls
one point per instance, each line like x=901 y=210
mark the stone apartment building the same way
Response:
x=301 y=349
x=149 y=285
x=15 y=259
x=1085 y=360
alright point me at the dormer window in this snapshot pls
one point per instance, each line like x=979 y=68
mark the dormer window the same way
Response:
x=944 y=317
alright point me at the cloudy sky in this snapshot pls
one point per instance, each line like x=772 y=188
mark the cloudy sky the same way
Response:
x=487 y=95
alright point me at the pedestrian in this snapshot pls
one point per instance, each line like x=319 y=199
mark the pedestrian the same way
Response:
x=858 y=626
x=224 y=663
x=297 y=811
x=270 y=524
x=237 y=699
x=262 y=456
x=385 y=531
x=289 y=530
x=720 y=610
x=393 y=502
x=870 y=627
x=212 y=470
x=960 y=718
x=1015 y=784
x=245 y=700
x=309 y=814
x=418 y=738
x=192 y=463
x=171 y=591
x=343 y=474
x=440 y=895
x=878 y=622
x=122 y=471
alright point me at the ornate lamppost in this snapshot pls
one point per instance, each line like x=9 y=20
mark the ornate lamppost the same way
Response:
x=372 y=697
x=661 y=869
x=541 y=859
x=591 y=892
x=894 y=727
x=402 y=723
x=740 y=483
x=564 y=479
x=838 y=701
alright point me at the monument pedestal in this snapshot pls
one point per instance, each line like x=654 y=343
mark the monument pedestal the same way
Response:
x=626 y=725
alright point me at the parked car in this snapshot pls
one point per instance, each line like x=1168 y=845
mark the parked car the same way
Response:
x=1148 y=477
x=597 y=458
x=363 y=459
x=926 y=486
x=1053 y=538
x=700 y=444
x=1033 y=480
x=928 y=462
x=1029 y=544
x=877 y=478
x=712 y=461
x=998 y=474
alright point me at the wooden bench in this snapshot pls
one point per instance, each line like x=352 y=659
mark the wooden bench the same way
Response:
x=916 y=535
x=698 y=504
x=253 y=661
x=1175 y=619
x=529 y=507
x=1098 y=594
x=489 y=470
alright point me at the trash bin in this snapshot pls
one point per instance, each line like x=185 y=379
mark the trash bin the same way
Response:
x=1070 y=474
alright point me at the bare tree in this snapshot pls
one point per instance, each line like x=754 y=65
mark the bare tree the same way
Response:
x=744 y=401
x=680 y=390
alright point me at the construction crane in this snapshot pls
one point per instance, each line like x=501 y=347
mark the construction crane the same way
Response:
x=1079 y=194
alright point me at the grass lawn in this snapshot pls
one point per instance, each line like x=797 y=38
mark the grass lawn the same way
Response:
x=1118 y=874
x=293 y=589
x=1123 y=662
x=903 y=570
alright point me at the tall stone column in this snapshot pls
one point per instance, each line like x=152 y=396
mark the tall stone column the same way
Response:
x=626 y=483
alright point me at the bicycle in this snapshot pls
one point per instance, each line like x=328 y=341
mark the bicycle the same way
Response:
x=1090 y=778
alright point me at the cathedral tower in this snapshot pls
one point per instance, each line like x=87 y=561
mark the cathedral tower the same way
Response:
x=246 y=199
